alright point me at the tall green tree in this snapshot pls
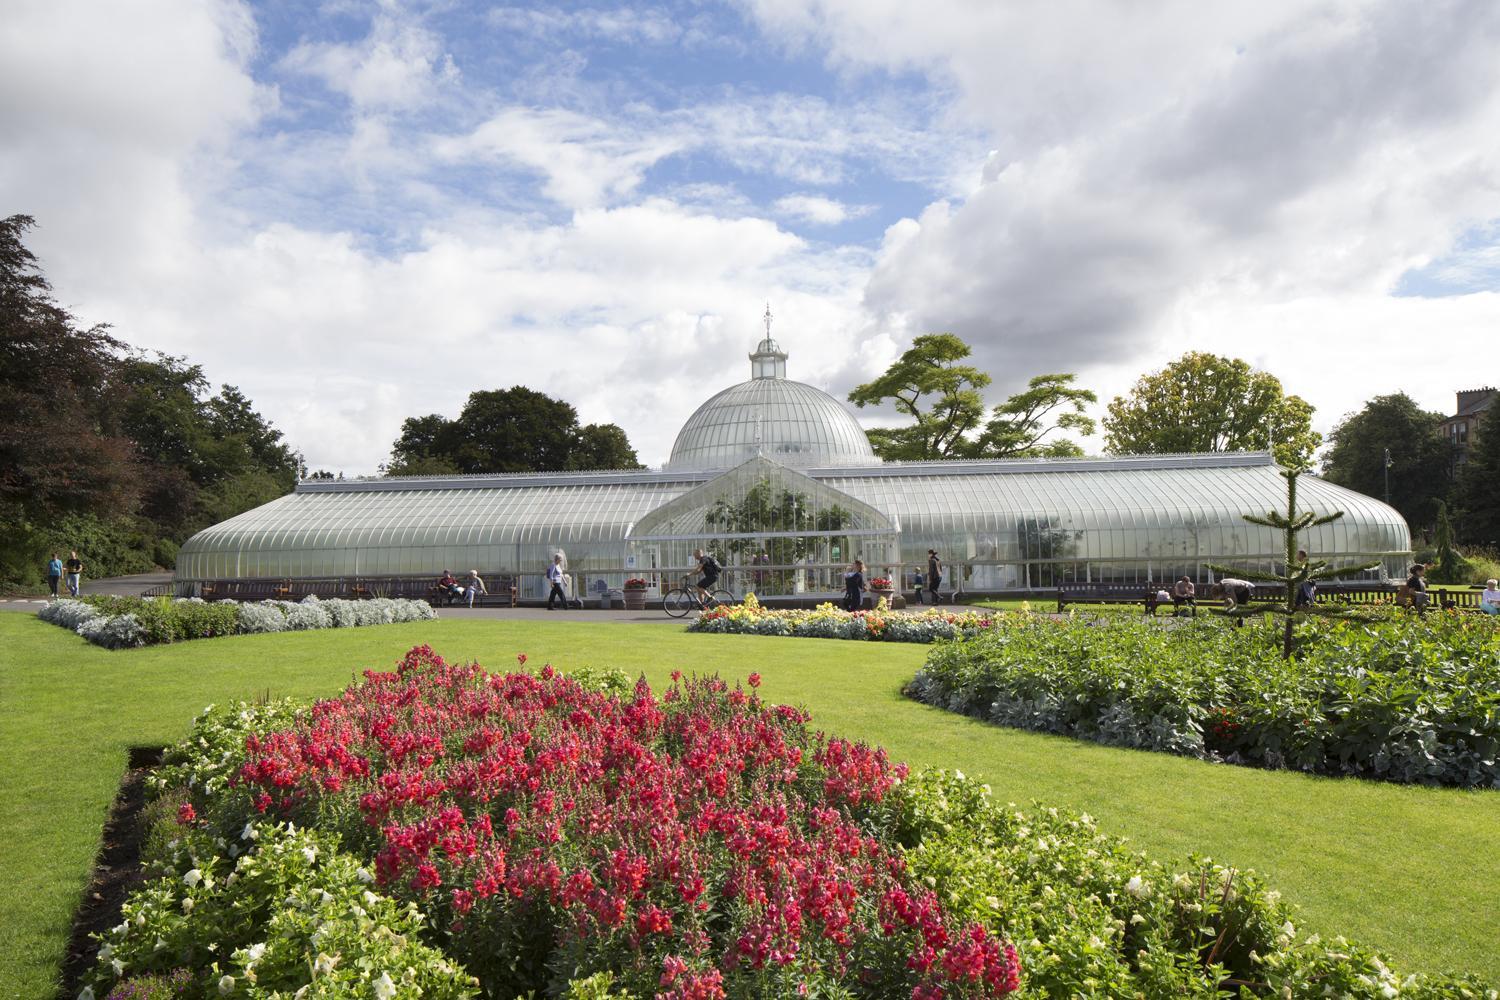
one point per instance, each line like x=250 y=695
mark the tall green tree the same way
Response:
x=508 y=430
x=1420 y=457
x=945 y=401
x=942 y=396
x=115 y=452
x=1204 y=402
x=1478 y=492
x=1019 y=426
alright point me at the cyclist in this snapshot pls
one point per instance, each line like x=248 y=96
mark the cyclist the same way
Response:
x=710 y=569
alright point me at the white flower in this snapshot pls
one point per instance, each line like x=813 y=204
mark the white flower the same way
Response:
x=324 y=964
x=249 y=832
x=118 y=966
x=187 y=904
x=310 y=853
x=255 y=951
x=1137 y=887
x=226 y=985
x=385 y=987
x=364 y=876
x=1388 y=991
x=87 y=993
x=193 y=877
x=105 y=952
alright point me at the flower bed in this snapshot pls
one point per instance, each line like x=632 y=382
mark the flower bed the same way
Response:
x=704 y=844
x=123 y=622
x=458 y=833
x=1398 y=698
x=828 y=622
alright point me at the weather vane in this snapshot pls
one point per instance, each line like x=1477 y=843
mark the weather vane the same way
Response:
x=768 y=321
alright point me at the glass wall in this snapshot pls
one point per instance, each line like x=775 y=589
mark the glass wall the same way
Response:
x=997 y=526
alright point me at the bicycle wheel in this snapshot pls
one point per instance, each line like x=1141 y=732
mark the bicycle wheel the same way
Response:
x=723 y=597
x=678 y=603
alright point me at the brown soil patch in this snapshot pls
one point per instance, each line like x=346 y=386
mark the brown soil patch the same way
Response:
x=117 y=870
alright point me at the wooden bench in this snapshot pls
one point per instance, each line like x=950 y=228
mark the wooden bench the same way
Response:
x=1114 y=593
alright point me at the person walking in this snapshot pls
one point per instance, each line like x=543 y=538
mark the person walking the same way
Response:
x=54 y=574
x=475 y=586
x=918 y=581
x=934 y=574
x=854 y=586
x=555 y=577
x=74 y=569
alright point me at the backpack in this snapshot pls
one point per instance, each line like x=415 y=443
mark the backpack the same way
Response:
x=710 y=564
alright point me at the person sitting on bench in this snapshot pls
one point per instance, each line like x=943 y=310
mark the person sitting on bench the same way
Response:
x=448 y=587
x=1489 y=600
x=1184 y=594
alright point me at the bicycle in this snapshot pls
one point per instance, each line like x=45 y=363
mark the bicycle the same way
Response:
x=680 y=600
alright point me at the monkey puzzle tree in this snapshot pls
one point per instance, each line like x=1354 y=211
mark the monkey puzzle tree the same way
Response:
x=1298 y=573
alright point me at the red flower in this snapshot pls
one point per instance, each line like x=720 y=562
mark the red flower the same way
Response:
x=186 y=815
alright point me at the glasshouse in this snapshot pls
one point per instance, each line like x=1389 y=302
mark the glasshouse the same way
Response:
x=777 y=480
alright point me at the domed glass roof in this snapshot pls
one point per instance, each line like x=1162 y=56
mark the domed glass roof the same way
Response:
x=788 y=422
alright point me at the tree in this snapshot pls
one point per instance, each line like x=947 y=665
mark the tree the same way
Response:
x=602 y=446
x=929 y=385
x=61 y=450
x=508 y=430
x=1478 y=491
x=1019 y=425
x=1451 y=567
x=1203 y=402
x=945 y=401
x=1420 y=456
x=1298 y=572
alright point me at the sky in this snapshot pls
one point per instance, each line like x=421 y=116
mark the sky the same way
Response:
x=360 y=212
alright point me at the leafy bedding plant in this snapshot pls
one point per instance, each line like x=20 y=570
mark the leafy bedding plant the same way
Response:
x=1398 y=698
x=125 y=622
x=829 y=622
x=1089 y=917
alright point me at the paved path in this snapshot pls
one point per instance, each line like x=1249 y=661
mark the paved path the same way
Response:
x=129 y=586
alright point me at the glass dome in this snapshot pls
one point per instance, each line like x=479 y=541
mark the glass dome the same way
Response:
x=788 y=422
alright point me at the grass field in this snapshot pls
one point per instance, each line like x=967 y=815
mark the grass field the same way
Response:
x=1412 y=871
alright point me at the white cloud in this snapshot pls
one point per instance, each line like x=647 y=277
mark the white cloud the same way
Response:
x=399 y=65
x=818 y=210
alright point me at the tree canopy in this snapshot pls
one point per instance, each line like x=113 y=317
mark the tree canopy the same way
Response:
x=116 y=452
x=1204 y=402
x=1420 y=457
x=945 y=400
x=1478 y=493
x=508 y=430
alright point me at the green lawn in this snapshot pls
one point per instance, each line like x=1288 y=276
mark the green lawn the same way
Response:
x=1412 y=871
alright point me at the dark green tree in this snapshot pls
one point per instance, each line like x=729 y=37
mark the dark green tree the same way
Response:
x=1478 y=491
x=1019 y=426
x=1450 y=567
x=945 y=401
x=508 y=430
x=1298 y=572
x=942 y=396
x=1421 y=458
x=602 y=446
x=1204 y=402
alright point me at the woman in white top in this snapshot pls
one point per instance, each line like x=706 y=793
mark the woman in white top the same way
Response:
x=1489 y=601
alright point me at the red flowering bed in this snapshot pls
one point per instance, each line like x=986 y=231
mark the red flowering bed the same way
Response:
x=701 y=844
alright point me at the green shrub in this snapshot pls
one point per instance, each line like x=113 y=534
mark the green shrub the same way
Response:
x=1397 y=697
x=1091 y=918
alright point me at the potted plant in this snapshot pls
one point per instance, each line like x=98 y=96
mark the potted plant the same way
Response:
x=635 y=594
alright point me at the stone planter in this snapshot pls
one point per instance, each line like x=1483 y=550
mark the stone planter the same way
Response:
x=889 y=595
x=635 y=598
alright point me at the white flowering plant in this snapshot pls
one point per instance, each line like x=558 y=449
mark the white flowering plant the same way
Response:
x=1091 y=917
x=125 y=622
x=291 y=915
